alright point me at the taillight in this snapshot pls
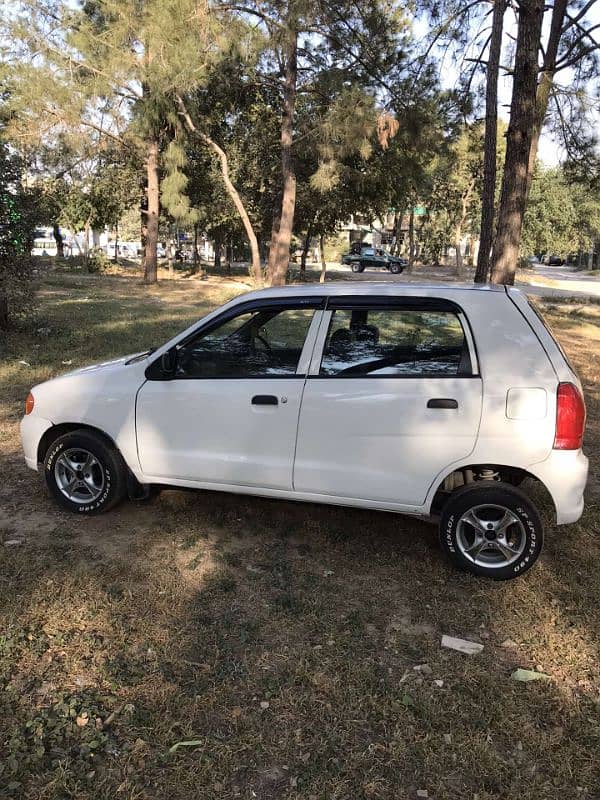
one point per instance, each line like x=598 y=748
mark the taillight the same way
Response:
x=570 y=417
x=29 y=403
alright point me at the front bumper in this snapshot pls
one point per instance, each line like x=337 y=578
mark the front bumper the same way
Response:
x=33 y=428
x=564 y=473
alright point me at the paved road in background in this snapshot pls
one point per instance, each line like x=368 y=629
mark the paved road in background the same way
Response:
x=545 y=282
x=565 y=281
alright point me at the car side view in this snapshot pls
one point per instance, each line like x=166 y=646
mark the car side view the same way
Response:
x=432 y=401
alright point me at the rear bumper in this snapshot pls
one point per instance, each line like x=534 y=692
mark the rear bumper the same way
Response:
x=32 y=430
x=564 y=473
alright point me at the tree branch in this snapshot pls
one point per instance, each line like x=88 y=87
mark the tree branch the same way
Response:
x=231 y=190
x=574 y=20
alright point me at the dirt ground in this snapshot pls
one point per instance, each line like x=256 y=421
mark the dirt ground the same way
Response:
x=205 y=645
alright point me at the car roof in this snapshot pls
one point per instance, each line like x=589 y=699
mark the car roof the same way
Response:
x=376 y=288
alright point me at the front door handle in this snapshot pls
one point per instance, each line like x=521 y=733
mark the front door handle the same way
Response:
x=264 y=400
x=442 y=402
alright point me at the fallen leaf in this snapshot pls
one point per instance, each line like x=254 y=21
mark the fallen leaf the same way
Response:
x=82 y=719
x=186 y=743
x=424 y=669
x=526 y=675
x=462 y=645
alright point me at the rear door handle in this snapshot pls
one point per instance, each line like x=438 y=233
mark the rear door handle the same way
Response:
x=264 y=400
x=442 y=402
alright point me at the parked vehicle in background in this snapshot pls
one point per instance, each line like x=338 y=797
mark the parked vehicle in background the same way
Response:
x=432 y=401
x=554 y=261
x=364 y=256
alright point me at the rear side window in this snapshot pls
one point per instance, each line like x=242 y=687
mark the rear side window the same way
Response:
x=537 y=311
x=395 y=342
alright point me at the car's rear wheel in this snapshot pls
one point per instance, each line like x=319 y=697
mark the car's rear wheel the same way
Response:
x=84 y=473
x=491 y=529
x=356 y=267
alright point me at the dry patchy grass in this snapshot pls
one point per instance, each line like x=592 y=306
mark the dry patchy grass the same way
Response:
x=280 y=638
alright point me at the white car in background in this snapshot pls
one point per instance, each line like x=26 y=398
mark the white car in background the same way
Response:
x=432 y=401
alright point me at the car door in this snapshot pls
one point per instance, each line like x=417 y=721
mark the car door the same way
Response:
x=230 y=413
x=392 y=398
x=367 y=257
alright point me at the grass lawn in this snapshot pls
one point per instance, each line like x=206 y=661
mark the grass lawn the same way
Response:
x=276 y=641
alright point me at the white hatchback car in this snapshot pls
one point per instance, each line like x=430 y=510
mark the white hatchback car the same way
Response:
x=425 y=400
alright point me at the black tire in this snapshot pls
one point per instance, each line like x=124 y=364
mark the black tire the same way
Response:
x=396 y=269
x=355 y=266
x=362 y=266
x=107 y=472
x=520 y=545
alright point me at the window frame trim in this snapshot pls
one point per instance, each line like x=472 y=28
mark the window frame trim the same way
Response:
x=314 y=302
x=385 y=303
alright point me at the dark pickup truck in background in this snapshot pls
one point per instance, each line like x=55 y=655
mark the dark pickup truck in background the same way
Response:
x=364 y=256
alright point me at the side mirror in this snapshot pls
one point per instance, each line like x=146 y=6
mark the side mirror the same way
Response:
x=168 y=363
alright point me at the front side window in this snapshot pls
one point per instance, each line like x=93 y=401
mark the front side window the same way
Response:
x=255 y=344
x=395 y=342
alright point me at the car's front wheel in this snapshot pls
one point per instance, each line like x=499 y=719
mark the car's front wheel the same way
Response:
x=357 y=266
x=491 y=529
x=84 y=473
x=395 y=269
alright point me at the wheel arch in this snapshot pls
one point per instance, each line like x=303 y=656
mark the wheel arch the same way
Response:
x=56 y=431
x=467 y=474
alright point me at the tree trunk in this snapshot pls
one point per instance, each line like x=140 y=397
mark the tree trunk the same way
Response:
x=171 y=256
x=233 y=193
x=59 y=239
x=229 y=255
x=488 y=192
x=411 y=239
x=545 y=83
x=513 y=197
x=217 y=249
x=398 y=232
x=115 y=257
x=274 y=232
x=323 y=262
x=305 y=249
x=472 y=249
x=195 y=254
x=4 y=320
x=457 y=248
x=86 y=243
x=464 y=213
x=150 y=254
x=279 y=255
x=144 y=210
